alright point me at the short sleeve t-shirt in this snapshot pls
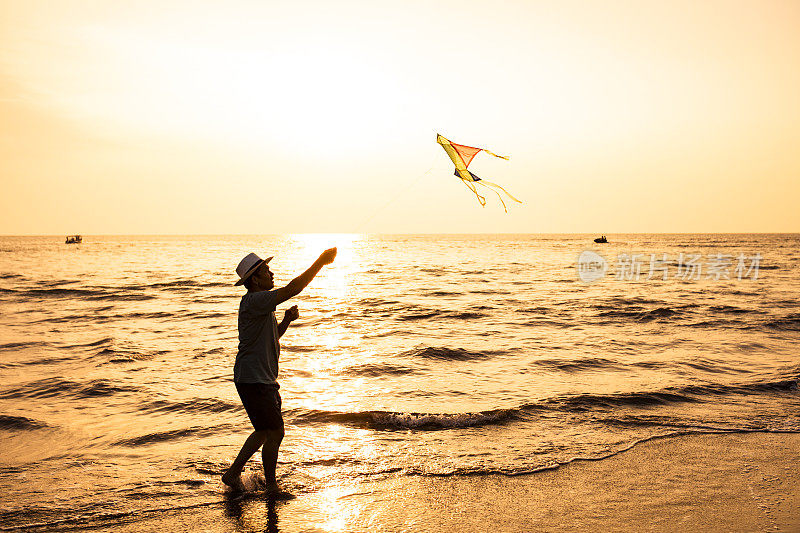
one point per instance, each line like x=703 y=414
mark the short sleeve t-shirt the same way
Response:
x=257 y=358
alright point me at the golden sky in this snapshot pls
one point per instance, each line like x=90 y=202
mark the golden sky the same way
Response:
x=267 y=117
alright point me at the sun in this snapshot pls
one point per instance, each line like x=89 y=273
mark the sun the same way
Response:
x=321 y=101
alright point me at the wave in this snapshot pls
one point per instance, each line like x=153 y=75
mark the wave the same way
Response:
x=123 y=297
x=111 y=355
x=18 y=345
x=395 y=420
x=61 y=293
x=588 y=402
x=465 y=315
x=110 y=294
x=446 y=354
x=460 y=315
x=211 y=351
x=545 y=322
x=718 y=323
x=175 y=283
x=204 y=315
x=490 y=291
x=669 y=395
x=57 y=282
x=385 y=333
x=20 y=423
x=377 y=370
x=711 y=365
x=54 y=387
x=577 y=403
x=789 y=384
x=419 y=316
x=372 y=302
x=637 y=421
x=443 y=293
x=640 y=316
x=527 y=470
x=535 y=310
x=145 y=316
x=730 y=310
x=614 y=302
x=38 y=361
x=174 y=434
x=100 y=342
x=790 y=322
x=187 y=283
x=98 y=315
x=195 y=405
x=180 y=284
x=69 y=319
x=577 y=365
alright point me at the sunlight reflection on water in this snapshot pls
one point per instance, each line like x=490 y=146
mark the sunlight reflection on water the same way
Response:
x=335 y=281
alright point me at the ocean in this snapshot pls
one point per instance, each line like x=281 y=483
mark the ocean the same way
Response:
x=414 y=355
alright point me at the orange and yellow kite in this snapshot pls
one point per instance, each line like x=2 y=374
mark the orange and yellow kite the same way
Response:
x=462 y=156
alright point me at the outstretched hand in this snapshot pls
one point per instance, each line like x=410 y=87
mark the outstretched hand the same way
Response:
x=328 y=256
x=291 y=314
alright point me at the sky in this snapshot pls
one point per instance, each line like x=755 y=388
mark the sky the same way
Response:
x=236 y=117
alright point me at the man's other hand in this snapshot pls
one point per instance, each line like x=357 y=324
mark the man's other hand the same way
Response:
x=291 y=314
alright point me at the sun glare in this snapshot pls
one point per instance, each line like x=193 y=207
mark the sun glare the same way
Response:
x=334 y=281
x=308 y=95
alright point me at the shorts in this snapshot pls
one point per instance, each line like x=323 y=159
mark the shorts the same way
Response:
x=263 y=405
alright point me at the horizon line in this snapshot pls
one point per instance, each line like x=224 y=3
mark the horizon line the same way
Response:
x=59 y=235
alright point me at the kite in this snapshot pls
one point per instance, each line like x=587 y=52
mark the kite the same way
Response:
x=462 y=157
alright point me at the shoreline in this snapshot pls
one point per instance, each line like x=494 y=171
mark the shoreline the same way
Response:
x=696 y=482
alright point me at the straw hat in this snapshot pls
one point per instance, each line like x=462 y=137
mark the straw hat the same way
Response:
x=248 y=266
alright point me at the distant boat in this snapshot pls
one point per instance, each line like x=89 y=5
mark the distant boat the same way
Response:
x=602 y=238
x=74 y=239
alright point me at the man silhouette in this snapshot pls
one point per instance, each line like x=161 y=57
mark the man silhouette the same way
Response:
x=255 y=372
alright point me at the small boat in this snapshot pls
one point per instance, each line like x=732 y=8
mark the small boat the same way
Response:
x=601 y=239
x=74 y=239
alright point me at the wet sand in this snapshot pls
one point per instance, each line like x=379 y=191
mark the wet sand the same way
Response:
x=713 y=482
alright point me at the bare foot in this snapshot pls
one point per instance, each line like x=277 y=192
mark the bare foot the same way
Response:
x=274 y=492
x=233 y=481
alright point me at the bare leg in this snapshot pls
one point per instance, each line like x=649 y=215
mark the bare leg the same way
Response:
x=250 y=446
x=269 y=455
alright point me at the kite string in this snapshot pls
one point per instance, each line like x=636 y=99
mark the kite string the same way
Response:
x=395 y=197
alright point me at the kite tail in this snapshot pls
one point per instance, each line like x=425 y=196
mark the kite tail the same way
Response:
x=494 y=154
x=471 y=186
x=490 y=184
x=501 y=200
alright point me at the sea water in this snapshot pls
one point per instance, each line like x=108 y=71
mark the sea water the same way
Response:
x=414 y=355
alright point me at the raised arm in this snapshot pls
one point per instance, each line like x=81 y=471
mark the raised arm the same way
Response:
x=299 y=283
